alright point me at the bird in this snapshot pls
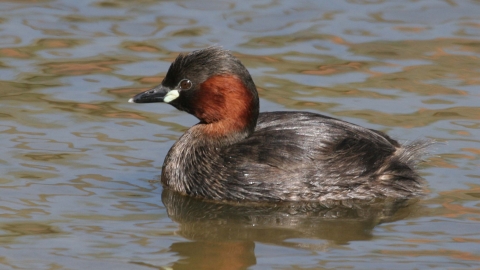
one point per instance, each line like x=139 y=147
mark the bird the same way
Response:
x=235 y=153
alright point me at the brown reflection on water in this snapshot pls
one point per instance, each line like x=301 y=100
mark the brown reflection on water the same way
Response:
x=444 y=58
x=27 y=52
x=444 y=253
x=339 y=68
x=20 y=229
x=422 y=117
x=228 y=230
x=140 y=47
x=79 y=68
x=421 y=67
x=207 y=255
x=451 y=212
x=14 y=53
x=454 y=203
x=58 y=43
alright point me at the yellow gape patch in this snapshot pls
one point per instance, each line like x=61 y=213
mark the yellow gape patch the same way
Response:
x=172 y=95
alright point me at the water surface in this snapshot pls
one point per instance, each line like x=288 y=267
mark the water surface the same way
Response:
x=79 y=182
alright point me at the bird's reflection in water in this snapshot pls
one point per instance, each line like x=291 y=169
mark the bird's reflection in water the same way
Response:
x=223 y=234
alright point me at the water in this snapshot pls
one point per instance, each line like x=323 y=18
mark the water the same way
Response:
x=80 y=166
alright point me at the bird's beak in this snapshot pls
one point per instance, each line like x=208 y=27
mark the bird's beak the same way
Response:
x=159 y=93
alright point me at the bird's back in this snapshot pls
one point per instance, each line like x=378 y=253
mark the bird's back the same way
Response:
x=305 y=156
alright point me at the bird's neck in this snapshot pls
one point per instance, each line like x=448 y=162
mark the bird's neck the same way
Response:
x=226 y=107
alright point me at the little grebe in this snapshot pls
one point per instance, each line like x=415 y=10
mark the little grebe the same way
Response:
x=236 y=153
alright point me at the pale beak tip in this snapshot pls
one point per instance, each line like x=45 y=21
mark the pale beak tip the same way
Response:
x=131 y=101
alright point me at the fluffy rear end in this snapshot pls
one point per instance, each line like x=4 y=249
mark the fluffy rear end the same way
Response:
x=398 y=178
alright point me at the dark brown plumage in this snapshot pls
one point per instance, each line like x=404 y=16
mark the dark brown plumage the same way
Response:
x=236 y=153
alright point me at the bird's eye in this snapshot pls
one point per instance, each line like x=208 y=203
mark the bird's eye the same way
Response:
x=185 y=84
